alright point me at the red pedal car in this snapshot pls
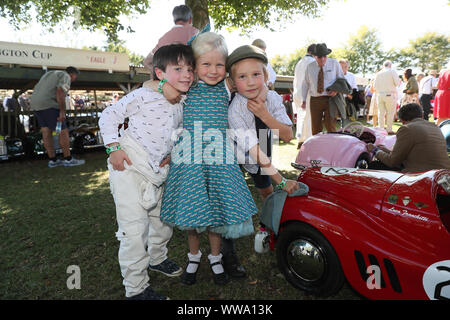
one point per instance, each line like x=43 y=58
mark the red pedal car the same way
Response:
x=386 y=233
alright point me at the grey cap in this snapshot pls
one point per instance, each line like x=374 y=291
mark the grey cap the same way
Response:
x=245 y=52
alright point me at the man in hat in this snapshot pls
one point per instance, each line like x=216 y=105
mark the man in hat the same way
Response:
x=303 y=129
x=319 y=75
x=426 y=87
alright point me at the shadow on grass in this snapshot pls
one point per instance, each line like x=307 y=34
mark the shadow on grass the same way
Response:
x=51 y=219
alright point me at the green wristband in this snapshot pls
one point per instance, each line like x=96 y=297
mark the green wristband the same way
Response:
x=282 y=184
x=160 y=85
x=112 y=148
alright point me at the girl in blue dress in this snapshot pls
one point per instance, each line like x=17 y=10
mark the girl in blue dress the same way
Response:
x=205 y=189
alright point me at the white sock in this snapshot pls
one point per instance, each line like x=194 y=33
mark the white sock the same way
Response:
x=192 y=267
x=218 y=268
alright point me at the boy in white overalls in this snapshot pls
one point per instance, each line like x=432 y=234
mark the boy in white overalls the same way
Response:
x=138 y=168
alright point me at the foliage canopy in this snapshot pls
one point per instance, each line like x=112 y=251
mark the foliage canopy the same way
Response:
x=105 y=14
x=248 y=14
x=365 y=54
x=428 y=52
x=90 y=14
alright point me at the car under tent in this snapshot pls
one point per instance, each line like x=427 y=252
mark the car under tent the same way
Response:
x=101 y=74
x=21 y=67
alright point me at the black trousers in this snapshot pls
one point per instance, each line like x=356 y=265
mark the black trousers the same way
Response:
x=425 y=102
x=227 y=246
x=378 y=165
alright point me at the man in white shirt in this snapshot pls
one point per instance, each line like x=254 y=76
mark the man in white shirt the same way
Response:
x=272 y=76
x=351 y=79
x=319 y=75
x=303 y=128
x=385 y=83
x=426 y=87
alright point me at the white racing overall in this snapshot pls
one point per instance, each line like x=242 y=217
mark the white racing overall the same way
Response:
x=137 y=193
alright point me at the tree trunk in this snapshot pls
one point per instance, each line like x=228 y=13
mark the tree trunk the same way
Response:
x=200 y=12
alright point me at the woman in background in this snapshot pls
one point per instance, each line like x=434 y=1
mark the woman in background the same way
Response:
x=442 y=100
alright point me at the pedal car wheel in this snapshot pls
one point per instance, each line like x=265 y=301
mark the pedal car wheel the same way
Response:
x=308 y=261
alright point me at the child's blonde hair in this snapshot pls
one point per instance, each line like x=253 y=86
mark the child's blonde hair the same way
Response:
x=209 y=41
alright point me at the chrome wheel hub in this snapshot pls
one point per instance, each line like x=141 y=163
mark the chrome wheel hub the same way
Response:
x=305 y=260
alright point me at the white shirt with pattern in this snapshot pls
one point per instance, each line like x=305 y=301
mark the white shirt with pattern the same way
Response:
x=153 y=122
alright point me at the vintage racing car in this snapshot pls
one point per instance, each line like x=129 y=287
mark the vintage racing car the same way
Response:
x=386 y=233
x=10 y=148
x=345 y=148
x=82 y=137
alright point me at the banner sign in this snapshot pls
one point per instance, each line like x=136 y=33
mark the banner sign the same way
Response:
x=57 y=57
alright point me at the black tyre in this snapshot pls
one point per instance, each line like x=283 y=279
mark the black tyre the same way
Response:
x=29 y=148
x=308 y=261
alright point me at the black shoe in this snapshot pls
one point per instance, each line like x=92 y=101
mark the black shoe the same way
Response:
x=148 y=294
x=232 y=266
x=189 y=278
x=219 y=278
x=168 y=268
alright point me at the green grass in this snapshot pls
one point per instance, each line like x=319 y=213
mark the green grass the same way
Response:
x=51 y=219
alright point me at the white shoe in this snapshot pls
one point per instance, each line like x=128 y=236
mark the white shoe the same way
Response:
x=56 y=163
x=73 y=162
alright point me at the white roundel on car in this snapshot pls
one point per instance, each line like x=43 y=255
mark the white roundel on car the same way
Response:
x=436 y=280
x=336 y=171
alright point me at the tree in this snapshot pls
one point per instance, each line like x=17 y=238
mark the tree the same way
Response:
x=428 y=52
x=279 y=64
x=285 y=65
x=104 y=14
x=401 y=57
x=245 y=15
x=90 y=14
x=363 y=51
x=200 y=11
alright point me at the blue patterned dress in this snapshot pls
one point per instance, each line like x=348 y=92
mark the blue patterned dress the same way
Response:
x=207 y=190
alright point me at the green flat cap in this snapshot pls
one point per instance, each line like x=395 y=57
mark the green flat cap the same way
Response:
x=245 y=52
